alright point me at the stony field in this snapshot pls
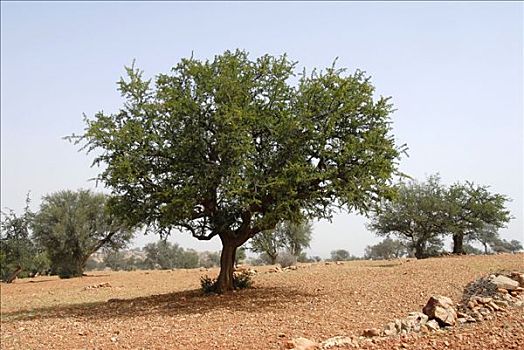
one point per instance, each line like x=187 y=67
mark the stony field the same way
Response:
x=166 y=310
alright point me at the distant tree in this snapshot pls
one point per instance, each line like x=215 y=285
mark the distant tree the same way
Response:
x=487 y=236
x=93 y=264
x=288 y=236
x=73 y=225
x=230 y=147
x=116 y=261
x=240 y=255
x=165 y=255
x=469 y=249
x=504 y=246
x=19 y=254
x=296 y=237
x=340 y=255
x=417 y=215
x=387 y=249
x=515 y=246
x=209 y=259
x=268 y=243
x=472 y=209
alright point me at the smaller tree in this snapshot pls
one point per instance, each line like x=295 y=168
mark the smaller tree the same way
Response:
x=487 y=236
x=469 y=249
x=504 y=246
x=165 y=255
x=240 y=255
x=288 y=236
x=472 y=209
x=387 y=249
x=340 y=255
x=19 y=254
x=417 y=215
x=73 y=225
x=268 y=244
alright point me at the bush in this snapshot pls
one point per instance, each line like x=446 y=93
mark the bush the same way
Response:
x=240 y=281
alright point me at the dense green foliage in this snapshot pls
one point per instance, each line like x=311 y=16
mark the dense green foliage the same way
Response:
x=230 y=147
x=241 y=280
x=165 y=255
x=73 y=225
x=18 y=252
x=387 y=249
x=424 y=212
x=471 y=209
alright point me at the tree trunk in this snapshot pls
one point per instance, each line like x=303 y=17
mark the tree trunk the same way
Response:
x=13 y=275
x=458 y=241
x=419 y=252
x=227 y=261
x=485 y=248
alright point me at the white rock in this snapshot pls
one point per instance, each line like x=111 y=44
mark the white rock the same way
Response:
x=504 y=282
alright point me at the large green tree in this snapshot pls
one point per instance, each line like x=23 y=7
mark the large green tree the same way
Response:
x=229 y=147
x=74 y=225
x=472 y=209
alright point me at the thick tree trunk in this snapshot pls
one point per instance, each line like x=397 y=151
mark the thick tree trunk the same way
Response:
x=227 y=261
x=14 y=274
x=458 y=244
x=419 y=252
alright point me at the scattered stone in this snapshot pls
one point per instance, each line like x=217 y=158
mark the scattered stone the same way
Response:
x=432 y=325
x=504 y=282
x=502 y=291
x=371 y=332
x=441 y=308
x=519 y=277
x=390 y=329
x=336 y=341
x=301 y=344
x=485 y=300
x=100 y=285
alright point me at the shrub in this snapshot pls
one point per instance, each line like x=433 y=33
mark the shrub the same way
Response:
x=240 y=281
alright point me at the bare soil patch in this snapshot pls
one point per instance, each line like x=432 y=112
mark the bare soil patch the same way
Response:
x=166 y=310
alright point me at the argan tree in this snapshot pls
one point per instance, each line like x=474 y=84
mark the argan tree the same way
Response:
x=73 y=225
x=19 y=253
x=387 y=249
x=230 y=147
x=417 y=216
x=473 y=209
x=288 y=236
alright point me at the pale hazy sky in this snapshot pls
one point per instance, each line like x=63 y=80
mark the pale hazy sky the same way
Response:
x=454 y=71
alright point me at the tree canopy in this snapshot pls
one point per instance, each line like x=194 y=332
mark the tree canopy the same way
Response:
x=387 y=249
x=424 y=212
x=287 y=236
x=229 y=147
x=20 y=255
x=74 y=225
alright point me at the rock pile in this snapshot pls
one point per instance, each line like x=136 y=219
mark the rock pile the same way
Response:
x=482 y=300
x=100 y=285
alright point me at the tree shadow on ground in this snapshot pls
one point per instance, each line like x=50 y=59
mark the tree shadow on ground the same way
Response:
x=190 y=303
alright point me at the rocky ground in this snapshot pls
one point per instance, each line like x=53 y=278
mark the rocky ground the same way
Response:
x=165 y=309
